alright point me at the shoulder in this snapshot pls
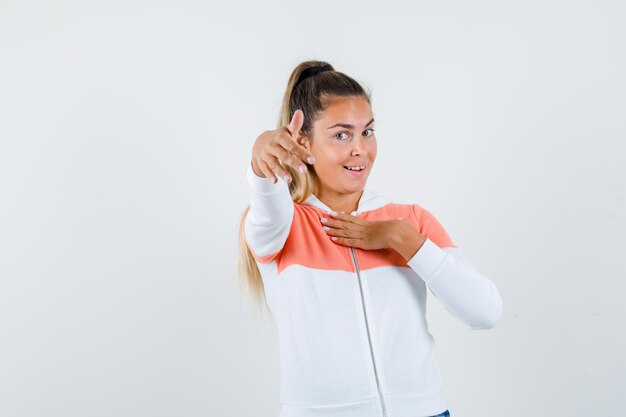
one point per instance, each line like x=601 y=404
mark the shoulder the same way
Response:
x=429 y=226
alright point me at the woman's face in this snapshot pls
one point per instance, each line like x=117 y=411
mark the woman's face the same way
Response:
x=343 y=136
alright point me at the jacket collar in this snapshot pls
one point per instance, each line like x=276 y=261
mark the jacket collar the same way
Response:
x=369 y=200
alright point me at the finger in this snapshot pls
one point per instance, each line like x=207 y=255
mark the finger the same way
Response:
x=297 y=120
x=277 y=169
x=328 y=222
x=334 y=223
x=265 y=169
x=273 y=164
x=288 y=158
x=281 y=150
x=340 y=232
x=344 y=241
x=343 y=216
x=294 y=127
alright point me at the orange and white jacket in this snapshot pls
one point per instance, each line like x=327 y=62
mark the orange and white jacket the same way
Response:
x=353 y=336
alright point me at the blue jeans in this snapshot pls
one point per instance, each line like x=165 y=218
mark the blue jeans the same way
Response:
x=444 y=414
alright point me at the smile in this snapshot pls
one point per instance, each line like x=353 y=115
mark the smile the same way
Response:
x=355 y=168
x=355 y=171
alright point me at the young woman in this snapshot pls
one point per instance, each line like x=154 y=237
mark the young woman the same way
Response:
x=343 y=269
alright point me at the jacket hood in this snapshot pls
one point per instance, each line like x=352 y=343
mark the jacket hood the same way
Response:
x=370 y=200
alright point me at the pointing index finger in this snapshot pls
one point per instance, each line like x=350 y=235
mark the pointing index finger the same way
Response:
x=297 y=120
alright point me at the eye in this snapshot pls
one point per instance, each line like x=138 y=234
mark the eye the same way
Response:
x=369 y=134
x=340 y=133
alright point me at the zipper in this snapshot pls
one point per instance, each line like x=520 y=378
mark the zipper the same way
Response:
x=380 y=393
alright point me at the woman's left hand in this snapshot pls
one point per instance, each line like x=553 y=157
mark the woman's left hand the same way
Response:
x=353 y=231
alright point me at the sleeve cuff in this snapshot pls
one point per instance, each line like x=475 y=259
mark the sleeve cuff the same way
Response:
x=261 y=184
x=427 y=260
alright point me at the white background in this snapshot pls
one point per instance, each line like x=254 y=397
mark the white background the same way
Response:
x=126 y=128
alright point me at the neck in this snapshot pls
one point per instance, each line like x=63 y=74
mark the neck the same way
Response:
x=341 y=202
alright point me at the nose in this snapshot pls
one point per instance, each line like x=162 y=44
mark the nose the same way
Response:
x=357 y=146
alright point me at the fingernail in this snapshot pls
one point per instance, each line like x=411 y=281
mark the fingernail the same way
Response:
x=324 y=219
x=326 y=228
x=302 y=169
x=310 y=159
x=333 y=213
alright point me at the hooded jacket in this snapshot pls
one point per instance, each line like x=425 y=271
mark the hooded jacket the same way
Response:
x=351 y=323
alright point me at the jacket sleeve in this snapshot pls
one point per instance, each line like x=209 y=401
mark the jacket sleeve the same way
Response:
x=269 y=218
x=462 y=289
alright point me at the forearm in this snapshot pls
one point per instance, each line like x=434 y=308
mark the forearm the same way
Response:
x=463 y=290
x=268 y=222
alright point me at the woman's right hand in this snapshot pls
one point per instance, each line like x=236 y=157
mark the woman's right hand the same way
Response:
x=280 y=143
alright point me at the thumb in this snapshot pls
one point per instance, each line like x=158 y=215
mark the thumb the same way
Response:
x=297 y=120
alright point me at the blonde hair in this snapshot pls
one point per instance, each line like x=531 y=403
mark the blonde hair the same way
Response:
x=312 y=95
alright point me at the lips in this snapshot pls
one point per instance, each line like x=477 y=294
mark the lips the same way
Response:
x=354 y=173
x=364 y=165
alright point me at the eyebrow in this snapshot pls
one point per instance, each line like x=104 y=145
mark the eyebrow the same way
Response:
x=347 y=126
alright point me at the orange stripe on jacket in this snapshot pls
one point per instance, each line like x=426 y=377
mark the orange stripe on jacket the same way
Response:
x=309 y=245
